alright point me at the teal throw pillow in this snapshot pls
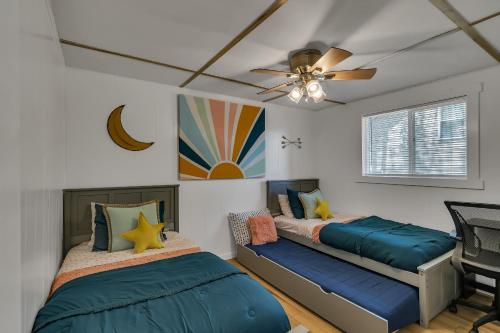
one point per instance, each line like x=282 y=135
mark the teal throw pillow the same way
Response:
x=125 y=218
x=310 y=202
x=295 y=204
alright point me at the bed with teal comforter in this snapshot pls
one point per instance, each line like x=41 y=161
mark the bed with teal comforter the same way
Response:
x=399 y=245
x=192 y=293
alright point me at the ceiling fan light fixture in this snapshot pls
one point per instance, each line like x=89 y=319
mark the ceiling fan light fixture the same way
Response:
x=315 y=91
x=313 y=87
x=319 y=97
x=296 y=94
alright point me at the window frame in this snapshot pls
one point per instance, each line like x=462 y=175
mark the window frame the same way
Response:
x=472 y=180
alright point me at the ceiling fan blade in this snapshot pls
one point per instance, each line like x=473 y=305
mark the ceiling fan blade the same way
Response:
x=355 y=74
x=334 y=101
x=332 y=57
x=273 y=72
x=284 y=85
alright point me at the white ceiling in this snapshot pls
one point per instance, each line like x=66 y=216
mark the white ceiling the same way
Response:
x=188 y=33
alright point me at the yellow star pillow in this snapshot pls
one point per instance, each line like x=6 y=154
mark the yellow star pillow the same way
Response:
x=145 y=236
x=323 y=210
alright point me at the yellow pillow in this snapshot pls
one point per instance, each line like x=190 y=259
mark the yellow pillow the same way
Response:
x=323 y=210
x=145 y=236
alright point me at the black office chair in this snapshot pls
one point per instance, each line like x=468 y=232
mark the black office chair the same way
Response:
x=477 y=252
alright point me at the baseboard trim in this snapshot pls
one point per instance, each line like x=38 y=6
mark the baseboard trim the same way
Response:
x=227 y=255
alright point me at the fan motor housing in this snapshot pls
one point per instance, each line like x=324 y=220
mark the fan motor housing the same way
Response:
x=303 y=58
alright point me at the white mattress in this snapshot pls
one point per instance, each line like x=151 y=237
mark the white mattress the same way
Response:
x=305 y=227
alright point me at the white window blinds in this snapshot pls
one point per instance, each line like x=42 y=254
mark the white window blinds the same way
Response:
x=423 y=141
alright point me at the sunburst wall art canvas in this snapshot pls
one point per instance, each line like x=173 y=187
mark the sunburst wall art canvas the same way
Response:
x=220 y=140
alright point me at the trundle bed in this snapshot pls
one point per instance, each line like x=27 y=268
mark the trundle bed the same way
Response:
x=355 y=293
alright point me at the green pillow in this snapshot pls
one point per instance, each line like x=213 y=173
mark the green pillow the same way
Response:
x=309 y=202
x=124 y=218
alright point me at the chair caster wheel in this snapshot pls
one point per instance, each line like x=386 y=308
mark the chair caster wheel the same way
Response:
x=473 y=331
x=453 y=309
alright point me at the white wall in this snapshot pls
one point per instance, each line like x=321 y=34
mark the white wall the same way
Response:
x=10 y=216
x=33 y=160
x=339 y=142
x=42 y=153
x=93 y=160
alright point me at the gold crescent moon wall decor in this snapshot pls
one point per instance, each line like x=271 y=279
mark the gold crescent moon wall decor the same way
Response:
x=120 y=136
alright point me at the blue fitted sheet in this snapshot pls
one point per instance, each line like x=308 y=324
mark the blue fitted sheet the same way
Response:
x=192 y=293
x=399 y=245
x=392 y=300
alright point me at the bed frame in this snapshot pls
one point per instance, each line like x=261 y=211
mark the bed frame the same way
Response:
x=77 y=215
x=437 y=281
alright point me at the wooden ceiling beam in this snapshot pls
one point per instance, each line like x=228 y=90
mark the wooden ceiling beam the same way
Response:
x=425 y=41
x=275 y=97
x=334 y=101
x=123 y=55
x=157 y=63
x=277 y=4
x=461 y=22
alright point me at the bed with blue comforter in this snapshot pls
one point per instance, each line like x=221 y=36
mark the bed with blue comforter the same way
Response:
x=399 y=245
x=192 y=293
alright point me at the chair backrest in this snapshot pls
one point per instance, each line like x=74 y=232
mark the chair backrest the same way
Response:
x=478 y=227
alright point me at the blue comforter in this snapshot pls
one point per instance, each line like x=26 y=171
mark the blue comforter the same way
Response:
x=191 y=293
x=403 y=246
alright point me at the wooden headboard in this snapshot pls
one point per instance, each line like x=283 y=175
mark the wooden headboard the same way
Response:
x=275 y=187
x=77 y=214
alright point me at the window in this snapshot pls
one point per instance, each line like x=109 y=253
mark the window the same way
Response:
x=423 y=141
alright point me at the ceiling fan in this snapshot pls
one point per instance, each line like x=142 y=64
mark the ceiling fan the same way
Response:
x=308 y=67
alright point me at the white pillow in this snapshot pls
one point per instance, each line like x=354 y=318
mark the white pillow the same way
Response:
x=285 y=205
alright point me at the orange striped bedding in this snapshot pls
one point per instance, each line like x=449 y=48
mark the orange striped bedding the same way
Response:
x=312 y=227
x=81 y=261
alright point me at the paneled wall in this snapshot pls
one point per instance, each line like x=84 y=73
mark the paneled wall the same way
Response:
x=33 y=160
x=42 y=140
x=10 y=217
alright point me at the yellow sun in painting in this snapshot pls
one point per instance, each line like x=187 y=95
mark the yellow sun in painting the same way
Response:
x=226 y=170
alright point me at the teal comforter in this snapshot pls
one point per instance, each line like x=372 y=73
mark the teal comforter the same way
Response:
x=191 y=293
x=403 y=246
